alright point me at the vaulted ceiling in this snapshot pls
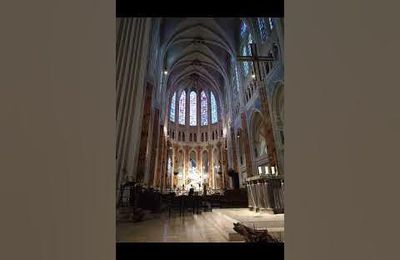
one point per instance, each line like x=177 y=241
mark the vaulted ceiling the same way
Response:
x=198 y=51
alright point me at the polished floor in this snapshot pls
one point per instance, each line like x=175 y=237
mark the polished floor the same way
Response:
x=190 y=228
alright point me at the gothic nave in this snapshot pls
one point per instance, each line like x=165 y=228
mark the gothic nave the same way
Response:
x=200 y=112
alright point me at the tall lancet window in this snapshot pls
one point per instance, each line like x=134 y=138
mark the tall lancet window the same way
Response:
x=262 y=25
x=182 y=108
x=247 y=38
x=193 y=108
x=172 y=108
x=214 y=117
x=246 y=65
x=203 y=108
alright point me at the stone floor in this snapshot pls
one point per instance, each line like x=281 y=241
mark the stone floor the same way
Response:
x=190 y=228
x=197 y=228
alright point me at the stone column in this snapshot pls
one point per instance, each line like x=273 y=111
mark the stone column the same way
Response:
x=220 y=164
x=173 y=166
x=186 y=164
x=211 y=168
x=269 y=138
x=157 y=177
x=246 y=144
x=143 y=142
x=154 y=143
x=199 y=161
x=132 y=55
x=224 y=153
x=160 y=162
x=234 y=151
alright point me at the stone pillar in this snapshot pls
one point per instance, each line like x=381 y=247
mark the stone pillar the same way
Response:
x=157 y=174
x=159 y=178
x=221 y=168
x=186 y=164
x=269 y=138
x=154 y=143
x=199 y=161
x=173 y=182
x=131 y=59
x=234 y=151
x=225 y=165
x=246 y=144
x=211 y=166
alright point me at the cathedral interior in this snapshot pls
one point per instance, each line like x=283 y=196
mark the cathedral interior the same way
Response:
x=199 y=114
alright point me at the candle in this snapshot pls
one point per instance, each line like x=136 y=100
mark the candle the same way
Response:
x=267 y=169
x=259 y=170
x=273 y=169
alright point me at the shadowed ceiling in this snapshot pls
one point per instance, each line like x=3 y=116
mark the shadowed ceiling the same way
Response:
x=198 y=51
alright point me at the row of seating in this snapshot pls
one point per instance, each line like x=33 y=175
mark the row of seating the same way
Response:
x=196 y=204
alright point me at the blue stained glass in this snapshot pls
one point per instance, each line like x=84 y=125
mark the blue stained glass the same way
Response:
x=204 y=110
x=243 y=29
x=246 y=65
x=214 y=117
x=182 y=108
x=193 y=110
x=263 y=29
x=172 y=108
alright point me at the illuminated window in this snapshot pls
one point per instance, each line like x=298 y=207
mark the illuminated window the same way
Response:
x=247 y=38
x=203 y=109
x=243 y=29
x=214 y=117
x=271 y=23
x=262 y=26
x=172 y=108
x=246 y=64
x=182 y=106
x=193 y=110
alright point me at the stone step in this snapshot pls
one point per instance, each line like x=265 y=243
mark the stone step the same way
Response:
x=224 y=225
x=223 y=219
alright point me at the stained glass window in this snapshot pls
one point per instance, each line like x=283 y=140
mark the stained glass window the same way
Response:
x=193 y=110
x=182 y=106
x=263 y=28
x=243 y=29
x=203 y=109
x=214 y=117
x=271 y=23
x=172 y=108
x=245 y=33
x=250 y=39
x=246 y=65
